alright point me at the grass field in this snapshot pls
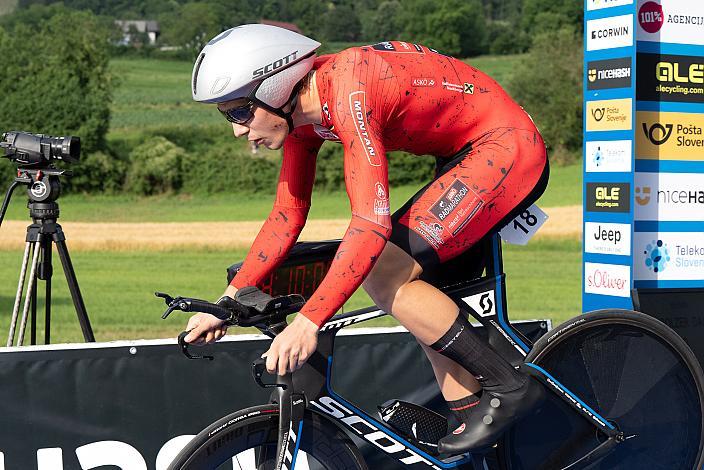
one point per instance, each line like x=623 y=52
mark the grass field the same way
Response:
x=156 y=93
x=119 y=288
x=564 y=189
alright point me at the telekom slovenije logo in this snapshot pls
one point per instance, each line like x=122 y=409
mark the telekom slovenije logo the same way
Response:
x=656 y=256
x=650 y=17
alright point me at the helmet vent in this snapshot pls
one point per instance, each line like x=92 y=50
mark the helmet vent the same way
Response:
x=195 y=74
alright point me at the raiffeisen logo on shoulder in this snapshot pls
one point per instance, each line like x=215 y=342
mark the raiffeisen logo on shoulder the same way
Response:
x=608 y=33
x=674 y=21
x=607 y=279
x=599 y=4
x=668 y=256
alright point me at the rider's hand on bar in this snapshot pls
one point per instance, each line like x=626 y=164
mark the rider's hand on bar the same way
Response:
x=205 y=329
x=292 y=347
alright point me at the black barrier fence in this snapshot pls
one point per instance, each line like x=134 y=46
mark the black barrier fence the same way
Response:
x=134 y=405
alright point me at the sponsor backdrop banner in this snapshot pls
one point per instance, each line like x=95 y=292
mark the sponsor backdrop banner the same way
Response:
x=609 y=124
x=134 y=405
x=643 y=148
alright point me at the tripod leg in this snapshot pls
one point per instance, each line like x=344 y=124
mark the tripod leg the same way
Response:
x=33 y=314
x=75 y=291
x=46 y=270
x=18 y=296
x=30 y=285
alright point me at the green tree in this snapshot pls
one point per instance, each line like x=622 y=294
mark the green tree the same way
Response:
x=55 y=78
x=456 y=27
x=540 y=16
x=554 y=100
x=191 y=26
x=341 y=24
x=385 y=23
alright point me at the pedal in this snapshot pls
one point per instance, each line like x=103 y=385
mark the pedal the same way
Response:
x=421 y=426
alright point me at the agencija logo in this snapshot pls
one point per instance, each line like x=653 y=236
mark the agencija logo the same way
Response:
x=651 y=17
x=656 y=256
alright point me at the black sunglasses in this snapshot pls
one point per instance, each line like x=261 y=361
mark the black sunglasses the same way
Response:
x=239 y=115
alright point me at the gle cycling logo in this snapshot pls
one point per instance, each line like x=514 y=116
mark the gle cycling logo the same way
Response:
x=656 y=256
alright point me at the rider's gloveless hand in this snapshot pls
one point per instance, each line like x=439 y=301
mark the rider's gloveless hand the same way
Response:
x=205 y=328
x=292 y=347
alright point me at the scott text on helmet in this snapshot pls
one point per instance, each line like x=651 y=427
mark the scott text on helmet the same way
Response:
x=261 y=71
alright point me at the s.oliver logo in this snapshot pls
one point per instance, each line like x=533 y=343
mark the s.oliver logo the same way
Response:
x=607 y=279
x=608 y=197
x=358 y=109
x=456 y=206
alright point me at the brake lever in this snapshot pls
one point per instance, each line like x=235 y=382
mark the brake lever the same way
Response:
x=184 y=348
x=258 y=368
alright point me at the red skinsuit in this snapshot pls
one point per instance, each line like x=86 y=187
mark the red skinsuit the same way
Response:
x=390 y=96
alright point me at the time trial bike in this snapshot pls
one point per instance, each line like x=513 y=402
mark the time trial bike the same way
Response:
x=625 y=390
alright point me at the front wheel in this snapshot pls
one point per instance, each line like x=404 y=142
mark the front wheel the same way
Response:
x=631 y=369
x=246 y=440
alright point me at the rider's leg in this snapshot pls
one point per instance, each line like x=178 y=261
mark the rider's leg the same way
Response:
x=434 y=319
x=394 y=269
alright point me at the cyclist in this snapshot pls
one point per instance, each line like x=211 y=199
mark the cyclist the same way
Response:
x=394 y=95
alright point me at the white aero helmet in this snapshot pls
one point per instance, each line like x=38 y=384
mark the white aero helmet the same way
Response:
x=261 y=62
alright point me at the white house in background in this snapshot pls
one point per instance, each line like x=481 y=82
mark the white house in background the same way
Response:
x=142 y=26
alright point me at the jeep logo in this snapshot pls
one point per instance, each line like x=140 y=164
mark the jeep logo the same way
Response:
x=277 y=64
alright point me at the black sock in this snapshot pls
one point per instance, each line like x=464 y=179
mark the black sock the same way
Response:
x=466 y=348
x=462 y=408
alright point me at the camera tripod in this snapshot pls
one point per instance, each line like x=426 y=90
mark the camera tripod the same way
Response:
x=43 y=190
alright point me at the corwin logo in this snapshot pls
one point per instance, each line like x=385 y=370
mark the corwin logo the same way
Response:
x=611 y=32
x=660 y=137
x=598 y=114
x=643 y=195
x=656 y=256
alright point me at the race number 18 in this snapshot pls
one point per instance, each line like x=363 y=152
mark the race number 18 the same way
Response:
x=524 y=226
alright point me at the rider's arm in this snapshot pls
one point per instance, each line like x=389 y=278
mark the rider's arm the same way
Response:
x=288 y=216
x=361 y=100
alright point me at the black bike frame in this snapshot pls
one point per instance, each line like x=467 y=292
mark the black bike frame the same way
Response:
x=485 y=299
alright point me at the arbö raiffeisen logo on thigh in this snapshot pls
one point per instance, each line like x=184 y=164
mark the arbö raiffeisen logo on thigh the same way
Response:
x=656 y=256
x=456 y=206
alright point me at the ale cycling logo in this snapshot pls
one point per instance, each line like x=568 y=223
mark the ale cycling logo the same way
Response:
x=598 y=114
x=657 y=134
x=656 y=256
